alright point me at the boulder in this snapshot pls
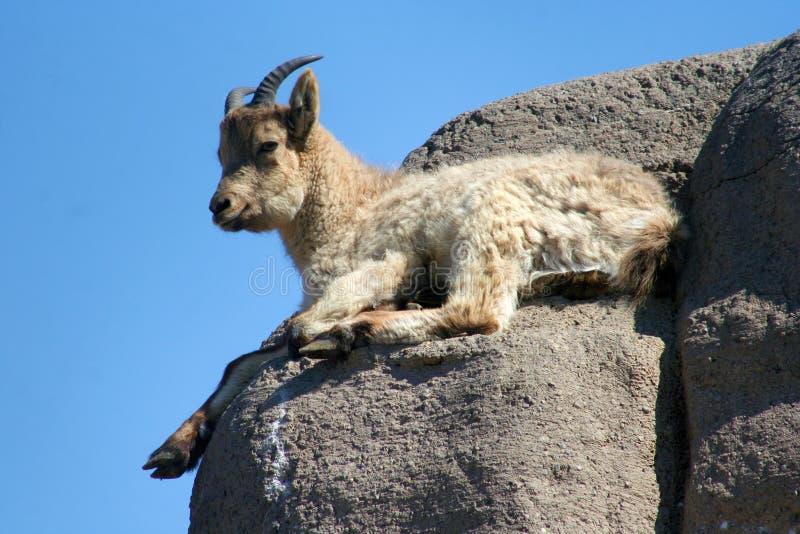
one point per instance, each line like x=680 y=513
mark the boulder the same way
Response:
x=570 y=421
x=657 y=115
x=740 y=315
x=548 y=425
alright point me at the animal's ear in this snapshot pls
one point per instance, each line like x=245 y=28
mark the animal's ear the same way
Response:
x=304 y=106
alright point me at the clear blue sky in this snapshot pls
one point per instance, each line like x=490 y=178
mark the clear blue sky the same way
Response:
x=121 y=303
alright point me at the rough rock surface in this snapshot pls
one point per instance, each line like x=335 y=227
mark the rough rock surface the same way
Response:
x=533 y=428
x=740 y=318
x=657 y=115
x=570 y=421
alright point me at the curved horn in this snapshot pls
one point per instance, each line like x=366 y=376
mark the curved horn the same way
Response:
x=235 y=98
x=265 y=94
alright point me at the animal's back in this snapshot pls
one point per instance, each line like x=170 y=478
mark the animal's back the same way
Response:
x=556 y=213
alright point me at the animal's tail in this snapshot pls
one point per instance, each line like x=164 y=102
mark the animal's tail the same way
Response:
x=657 y=255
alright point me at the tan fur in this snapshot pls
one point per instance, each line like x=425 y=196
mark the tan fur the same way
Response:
x=404 y=258
x=496 y=227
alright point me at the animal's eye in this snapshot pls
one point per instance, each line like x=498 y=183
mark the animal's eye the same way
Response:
x=267 y=147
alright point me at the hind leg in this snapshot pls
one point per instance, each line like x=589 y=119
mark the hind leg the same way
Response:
x=575 y=286
x=183 y=449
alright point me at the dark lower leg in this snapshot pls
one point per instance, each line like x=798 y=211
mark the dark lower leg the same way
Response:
x=183 y=449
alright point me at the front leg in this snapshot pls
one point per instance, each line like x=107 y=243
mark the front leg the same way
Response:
x=481 y=300
x=183 y=449
x=384 y=326
x=372 y=285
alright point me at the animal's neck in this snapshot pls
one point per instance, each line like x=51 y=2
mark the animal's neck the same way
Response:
x=339 y=184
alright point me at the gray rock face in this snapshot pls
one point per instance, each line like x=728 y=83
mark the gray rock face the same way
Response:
x=556 y=423
x=740 y=319
x=536 y=427
x=657 y=115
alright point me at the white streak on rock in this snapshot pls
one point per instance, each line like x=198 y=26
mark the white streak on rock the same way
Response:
x=279 y=486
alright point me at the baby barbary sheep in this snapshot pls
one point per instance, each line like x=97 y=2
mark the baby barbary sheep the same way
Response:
x=393 y=258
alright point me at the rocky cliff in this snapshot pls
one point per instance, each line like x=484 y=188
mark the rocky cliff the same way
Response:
x=740 y=316
x=571 y=421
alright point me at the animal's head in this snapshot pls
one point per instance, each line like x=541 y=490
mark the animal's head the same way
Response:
x=261 y=148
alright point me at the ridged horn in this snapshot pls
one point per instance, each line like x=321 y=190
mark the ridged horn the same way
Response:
x=235 y=98
x=265 y=93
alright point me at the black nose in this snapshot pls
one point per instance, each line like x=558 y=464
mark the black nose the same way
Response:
x=218 y=205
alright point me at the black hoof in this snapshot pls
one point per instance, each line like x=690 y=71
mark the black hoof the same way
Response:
x=169 y=461
x=334 y=344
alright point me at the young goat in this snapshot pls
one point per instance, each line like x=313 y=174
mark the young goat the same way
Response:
x=469 y=241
